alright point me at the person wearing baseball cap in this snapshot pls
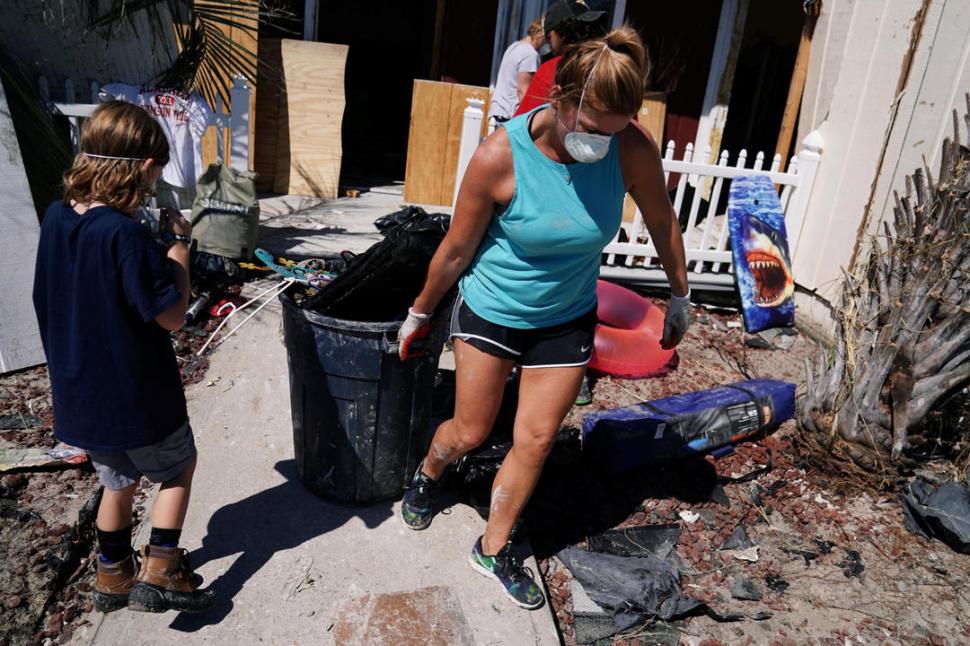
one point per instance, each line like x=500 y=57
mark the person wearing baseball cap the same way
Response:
x=567 y=22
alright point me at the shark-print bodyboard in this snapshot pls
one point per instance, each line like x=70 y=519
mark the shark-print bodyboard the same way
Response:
x=759 y=245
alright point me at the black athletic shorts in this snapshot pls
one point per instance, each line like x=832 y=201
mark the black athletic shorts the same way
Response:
x=557 y=346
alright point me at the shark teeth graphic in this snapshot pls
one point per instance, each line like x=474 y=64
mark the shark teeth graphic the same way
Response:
x=773 y=282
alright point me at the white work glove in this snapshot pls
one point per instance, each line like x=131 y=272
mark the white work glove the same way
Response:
x=416 y=326
x=676 y=321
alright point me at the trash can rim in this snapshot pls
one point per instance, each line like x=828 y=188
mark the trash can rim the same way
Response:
x=339 y=324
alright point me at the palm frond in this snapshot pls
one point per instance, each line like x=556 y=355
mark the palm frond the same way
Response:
x=196 y=36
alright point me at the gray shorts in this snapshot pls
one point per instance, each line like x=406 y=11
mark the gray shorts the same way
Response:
x=159 y=462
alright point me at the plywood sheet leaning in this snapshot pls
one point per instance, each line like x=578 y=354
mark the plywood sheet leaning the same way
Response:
x=427 y=138
x=314 y=78
x=434 y=139
x=20 y=344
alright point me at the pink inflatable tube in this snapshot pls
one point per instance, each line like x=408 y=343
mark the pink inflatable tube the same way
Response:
x=627 y=340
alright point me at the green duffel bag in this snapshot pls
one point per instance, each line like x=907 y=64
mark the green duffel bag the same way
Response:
x=225 y=213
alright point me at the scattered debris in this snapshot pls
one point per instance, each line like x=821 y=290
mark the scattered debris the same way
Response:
x=749 y=554
x=738 y=540
x=32 y=458
x=762 y=340
x=19 y=422
x=745 y=589
x=852 y=564
x=942 y=513
x=689 y=517
x=776 y=584
x=632 y=589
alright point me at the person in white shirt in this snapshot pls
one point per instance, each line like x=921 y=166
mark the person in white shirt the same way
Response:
x=519 y=63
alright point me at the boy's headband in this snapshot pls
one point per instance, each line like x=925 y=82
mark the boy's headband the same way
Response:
x=113 y=157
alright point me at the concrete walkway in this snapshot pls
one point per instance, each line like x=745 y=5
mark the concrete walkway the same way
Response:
x=290 y=567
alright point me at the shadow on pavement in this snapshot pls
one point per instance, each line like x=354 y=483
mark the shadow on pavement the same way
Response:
x=258 y=527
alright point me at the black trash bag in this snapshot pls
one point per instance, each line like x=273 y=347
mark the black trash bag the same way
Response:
x=942 y=513
x=632 y=589
x=382 y=282
x=411 y=216
x=215 y=268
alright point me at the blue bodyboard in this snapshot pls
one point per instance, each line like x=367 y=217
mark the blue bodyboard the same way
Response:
x=759 y=246
x=693 y=423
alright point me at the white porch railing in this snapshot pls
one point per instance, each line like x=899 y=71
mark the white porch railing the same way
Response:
x=709 y=261
x=236 y=121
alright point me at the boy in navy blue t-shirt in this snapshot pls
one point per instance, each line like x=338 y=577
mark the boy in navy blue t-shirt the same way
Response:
x=106 y=295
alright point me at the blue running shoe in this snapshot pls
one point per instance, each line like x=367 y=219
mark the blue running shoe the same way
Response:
x=417 y=506
x=506 y=568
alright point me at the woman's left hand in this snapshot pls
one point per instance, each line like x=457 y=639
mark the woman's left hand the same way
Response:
x=676 y=321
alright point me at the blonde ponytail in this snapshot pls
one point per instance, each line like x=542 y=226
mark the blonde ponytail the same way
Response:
x=619 y=66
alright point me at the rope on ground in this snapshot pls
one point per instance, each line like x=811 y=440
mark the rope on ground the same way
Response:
x=276 y=290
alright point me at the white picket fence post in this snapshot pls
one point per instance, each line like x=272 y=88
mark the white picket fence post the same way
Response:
x=471 y=135
x=239 y=123
x=807 y=160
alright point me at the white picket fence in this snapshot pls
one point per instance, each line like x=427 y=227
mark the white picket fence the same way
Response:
x=77 y=106
x=709 y=261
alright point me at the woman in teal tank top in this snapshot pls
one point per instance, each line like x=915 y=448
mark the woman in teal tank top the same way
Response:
x=540 y=199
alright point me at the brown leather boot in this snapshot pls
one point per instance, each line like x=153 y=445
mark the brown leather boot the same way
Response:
x=166 y=582
x=113 y=584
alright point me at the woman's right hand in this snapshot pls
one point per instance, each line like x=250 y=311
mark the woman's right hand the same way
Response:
x=416 y=326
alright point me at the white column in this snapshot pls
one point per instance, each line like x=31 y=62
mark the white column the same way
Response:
x=723 y=61
x=239 y=123
x=471 y=135
x=808 y=160
x=310 y=19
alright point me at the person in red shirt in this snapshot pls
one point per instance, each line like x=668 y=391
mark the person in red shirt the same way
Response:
x=566 y=23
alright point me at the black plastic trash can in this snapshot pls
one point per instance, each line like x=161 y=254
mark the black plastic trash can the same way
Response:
x=360 y=414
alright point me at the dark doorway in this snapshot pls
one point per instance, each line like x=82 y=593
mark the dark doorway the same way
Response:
x=390 y=46
x=680 y=39
x=467 y=39
x=762 y=77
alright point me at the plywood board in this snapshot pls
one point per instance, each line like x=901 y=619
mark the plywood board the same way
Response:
x=314 y=76
x=20 y=344
x=427 y=139
x=434 y=139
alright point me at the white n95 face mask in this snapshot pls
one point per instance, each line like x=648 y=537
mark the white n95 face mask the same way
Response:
x=586 y=147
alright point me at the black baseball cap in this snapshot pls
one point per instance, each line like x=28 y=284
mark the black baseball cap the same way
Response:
x=568 y=10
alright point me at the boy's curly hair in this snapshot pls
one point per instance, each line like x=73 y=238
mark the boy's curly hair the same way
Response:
x=116 y=129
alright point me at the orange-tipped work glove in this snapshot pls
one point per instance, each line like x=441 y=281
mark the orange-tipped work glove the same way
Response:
x=416 y=326
x=676 y=321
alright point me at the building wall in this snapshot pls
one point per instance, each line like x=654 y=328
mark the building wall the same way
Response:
x=20 y=344
x=883 y=78
x=937 y=84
